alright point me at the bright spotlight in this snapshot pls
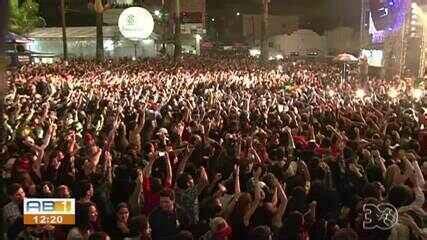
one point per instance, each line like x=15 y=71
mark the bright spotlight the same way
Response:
x=213 y=19
x=238 y=13
x=418 y=93
x=393 y=93
x=360 y=93
x=254 y=52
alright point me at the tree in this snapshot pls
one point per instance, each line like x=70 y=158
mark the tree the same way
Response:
x=99 y=9
x=177 y=40
x=23 y=19
x=64 y=30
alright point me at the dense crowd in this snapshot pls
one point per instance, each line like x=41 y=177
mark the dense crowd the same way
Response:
x=214 y=148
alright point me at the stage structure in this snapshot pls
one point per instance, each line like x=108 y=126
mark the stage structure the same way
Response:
x=395 y=27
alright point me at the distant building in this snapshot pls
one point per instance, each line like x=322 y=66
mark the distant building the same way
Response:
x=81 y=42
x=251 y=25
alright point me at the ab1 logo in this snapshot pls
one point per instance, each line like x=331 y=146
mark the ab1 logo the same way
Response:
x=49 y=211
x=49 y=206
x=382 y=216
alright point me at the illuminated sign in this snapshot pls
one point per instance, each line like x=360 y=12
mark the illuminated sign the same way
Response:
x=53 y=211
x=136 y=23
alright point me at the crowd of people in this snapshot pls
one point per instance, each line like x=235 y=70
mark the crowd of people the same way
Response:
x=214 y=148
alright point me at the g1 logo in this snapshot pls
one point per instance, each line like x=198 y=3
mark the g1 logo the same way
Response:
x=382 y=216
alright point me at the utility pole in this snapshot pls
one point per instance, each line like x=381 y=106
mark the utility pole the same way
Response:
x=64 y=31
x=264 y=27
x=177 y=50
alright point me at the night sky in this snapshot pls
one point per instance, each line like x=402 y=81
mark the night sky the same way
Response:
x=338 y=12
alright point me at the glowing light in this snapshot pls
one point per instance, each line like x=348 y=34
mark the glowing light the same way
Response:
x=393 y=93
x=157 y=13
x=238 y=13
x=360 y=93
x=136 y=23
x=109 y=45
x=279 y=57
x=254 y=52
x=418 y=93
x=213 y=19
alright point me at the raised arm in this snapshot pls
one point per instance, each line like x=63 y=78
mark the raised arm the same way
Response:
x=203 y=181
x=169 y=176
x=183 y=162
x=137 y=198
x=277 y=218
x=255 y=202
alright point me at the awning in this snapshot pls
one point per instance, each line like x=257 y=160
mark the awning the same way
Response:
x=78 y=33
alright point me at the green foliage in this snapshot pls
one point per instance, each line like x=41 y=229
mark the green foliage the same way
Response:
x=23 y=19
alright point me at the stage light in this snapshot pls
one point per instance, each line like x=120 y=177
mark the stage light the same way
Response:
x=279 y=57
x=238 y=13
x=392 y=92
x=360 y=93
x=254 y=52
x=213 y=19
x=109 y=45
x=418 y=93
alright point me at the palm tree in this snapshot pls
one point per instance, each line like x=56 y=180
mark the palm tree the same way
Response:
x=23 y=19
x=64 y=30
x=99 y=11
x=177 y=42
x=264 y=27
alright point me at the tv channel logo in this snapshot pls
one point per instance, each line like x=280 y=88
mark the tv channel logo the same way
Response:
x=49 y=211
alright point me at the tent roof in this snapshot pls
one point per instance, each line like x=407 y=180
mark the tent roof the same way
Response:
x=77 y=32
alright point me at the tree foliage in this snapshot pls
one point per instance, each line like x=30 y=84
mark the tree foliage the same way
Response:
x=23 y=19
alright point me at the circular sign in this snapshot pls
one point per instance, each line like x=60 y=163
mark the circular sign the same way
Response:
x=136 y=23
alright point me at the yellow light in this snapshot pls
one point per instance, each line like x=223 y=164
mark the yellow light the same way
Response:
x=393 y=93
x=360 y=93
x=417 y=93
